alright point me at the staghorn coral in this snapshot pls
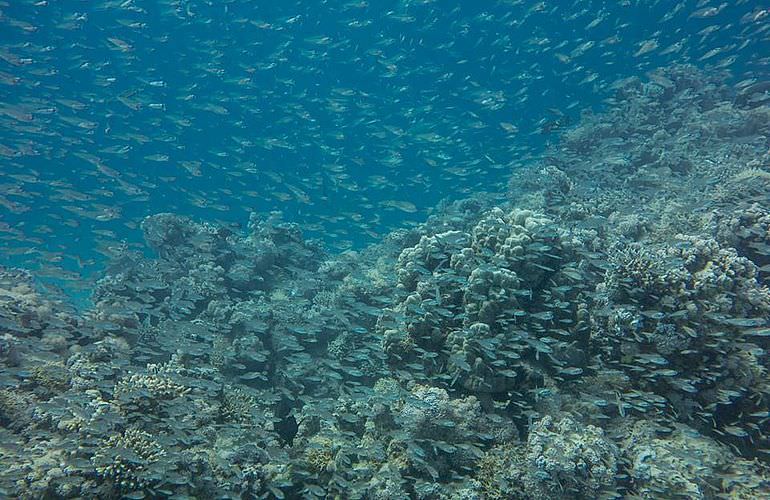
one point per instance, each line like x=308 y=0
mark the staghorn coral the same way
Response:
x=125 y=460
x=238 y=406
x=146 y=392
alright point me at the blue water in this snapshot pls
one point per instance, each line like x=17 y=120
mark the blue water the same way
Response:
x=321 y=110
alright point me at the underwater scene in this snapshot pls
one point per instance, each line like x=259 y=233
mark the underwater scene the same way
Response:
x=396 y=249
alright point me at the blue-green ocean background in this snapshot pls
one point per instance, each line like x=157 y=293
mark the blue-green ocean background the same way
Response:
x=327 y=111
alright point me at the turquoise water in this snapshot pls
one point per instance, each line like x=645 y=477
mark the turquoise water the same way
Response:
x=397 y=249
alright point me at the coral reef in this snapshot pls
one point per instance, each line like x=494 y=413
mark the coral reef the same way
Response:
x=602 y=333
x=566 y=460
